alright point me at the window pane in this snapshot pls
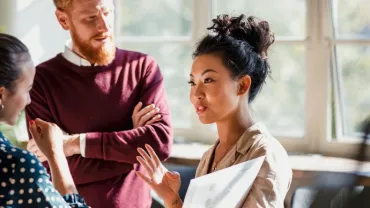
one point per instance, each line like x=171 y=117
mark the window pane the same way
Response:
x=351 y=18
x=286 y=17
x=146 y=18
x=175 y=63
x=280 y=105
x=354 y=71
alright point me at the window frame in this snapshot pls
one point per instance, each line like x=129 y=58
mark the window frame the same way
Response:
x=340 y=144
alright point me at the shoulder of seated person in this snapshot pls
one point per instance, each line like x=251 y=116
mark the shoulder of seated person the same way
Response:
x=18 y=155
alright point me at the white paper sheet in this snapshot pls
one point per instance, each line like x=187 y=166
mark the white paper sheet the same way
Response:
x=224 y=188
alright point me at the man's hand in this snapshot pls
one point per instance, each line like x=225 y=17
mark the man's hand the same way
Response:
x=145 y=116
x=71 y=145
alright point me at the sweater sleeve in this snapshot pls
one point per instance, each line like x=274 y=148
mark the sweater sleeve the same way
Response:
x=122 y=146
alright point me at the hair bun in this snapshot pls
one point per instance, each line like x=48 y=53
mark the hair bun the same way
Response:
x=250 y=29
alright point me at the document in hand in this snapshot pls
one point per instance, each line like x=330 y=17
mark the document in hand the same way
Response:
x=224 y=188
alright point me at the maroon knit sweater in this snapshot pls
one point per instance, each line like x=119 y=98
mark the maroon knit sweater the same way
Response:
x=99 y=101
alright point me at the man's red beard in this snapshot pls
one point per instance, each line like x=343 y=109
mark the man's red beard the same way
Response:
x=103 y=55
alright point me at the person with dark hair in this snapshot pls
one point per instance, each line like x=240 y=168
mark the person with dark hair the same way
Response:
x=229 y=69
x=24 y=181
x=109 y=101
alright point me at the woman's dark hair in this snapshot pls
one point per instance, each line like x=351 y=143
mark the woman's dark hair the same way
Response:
x=242 y=43
x=12 y=53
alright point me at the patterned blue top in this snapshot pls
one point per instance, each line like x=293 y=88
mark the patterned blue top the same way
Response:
x=24 y=182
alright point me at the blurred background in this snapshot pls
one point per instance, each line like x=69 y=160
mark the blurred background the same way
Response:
x=317 y=97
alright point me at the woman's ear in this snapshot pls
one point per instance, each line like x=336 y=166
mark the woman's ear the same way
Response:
x=2 y=91
x=244 y=84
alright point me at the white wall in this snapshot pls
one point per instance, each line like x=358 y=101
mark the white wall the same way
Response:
x=34 y=22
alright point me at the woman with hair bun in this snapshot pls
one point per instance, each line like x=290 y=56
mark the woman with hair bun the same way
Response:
x=229 y=69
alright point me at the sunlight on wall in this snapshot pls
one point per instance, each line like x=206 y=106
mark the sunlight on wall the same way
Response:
x=23 y=4
x=33 y=41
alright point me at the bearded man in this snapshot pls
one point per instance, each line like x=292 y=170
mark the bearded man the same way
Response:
x=109 y=102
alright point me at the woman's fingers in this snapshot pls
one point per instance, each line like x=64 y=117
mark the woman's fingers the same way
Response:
x=42 y=158
x=146 y=179
x=153 y=155
x=147 y=158
x=34 y=133
x=145 y=165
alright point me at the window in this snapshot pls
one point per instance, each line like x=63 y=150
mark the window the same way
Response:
x=319 y=92
x=351 y=64
x=318 y=95
x=164 y=31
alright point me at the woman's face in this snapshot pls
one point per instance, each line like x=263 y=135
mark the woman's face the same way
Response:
x=16 y=99
x=213 y=93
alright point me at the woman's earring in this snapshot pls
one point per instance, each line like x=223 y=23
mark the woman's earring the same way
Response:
x=1 y=107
